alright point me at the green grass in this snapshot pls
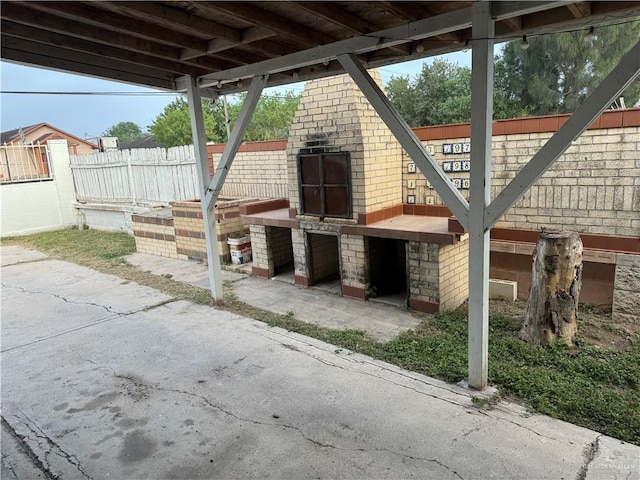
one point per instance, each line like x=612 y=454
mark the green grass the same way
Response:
x=591 y=386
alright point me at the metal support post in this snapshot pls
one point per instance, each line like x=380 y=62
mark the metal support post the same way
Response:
x=403 y=133
x=208 y=214
x=611 y=87
x=234 y=140
x=480 y=191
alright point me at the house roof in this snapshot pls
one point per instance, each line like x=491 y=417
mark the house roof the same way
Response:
x=156 y=43
x=14 y=135
x=10 y=135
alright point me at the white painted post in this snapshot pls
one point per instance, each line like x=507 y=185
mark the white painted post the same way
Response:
x=208 y=214
x=132 y=181
x=480 y=190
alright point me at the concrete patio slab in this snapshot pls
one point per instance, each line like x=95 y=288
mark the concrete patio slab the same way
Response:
x=12 y=254
x=189 y=391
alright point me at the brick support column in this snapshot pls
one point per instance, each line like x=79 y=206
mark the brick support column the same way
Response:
x=355 y=271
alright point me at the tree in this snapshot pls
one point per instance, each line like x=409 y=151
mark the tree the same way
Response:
x=271 y=119
x=125 y=131
x=173 y=126
x=557 y=72
x=441 y=94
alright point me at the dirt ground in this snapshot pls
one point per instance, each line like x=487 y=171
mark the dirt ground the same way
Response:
x=595 y=325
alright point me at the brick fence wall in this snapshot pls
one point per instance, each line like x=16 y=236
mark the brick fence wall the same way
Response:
x=593 y=188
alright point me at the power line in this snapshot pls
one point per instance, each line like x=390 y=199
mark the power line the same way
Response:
x=137 y=94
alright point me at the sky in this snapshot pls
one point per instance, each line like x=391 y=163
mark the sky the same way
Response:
x=89 y=116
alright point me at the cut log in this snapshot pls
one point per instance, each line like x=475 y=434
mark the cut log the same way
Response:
x=552 y=308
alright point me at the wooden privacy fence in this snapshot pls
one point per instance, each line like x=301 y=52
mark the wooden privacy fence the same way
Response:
x=154 y=176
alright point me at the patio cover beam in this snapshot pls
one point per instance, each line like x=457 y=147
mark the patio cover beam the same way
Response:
x=233 y=143
x=208 y=214
x=417 y=30
x=403 y=133
x=611 y=87
x=480 y=191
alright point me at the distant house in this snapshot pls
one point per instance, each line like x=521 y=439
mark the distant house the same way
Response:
x=40 y=133
x=144 y=142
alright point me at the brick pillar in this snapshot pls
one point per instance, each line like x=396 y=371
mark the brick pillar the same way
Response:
x=262 y=257
x=454 y=274
x=424 y=266
x=300 y=257
x=355 y=274
x=626 y=289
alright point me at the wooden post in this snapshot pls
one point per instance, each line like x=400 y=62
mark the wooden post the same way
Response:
x=552 y=309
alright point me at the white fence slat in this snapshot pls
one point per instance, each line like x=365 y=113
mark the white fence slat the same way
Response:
x=153 y=176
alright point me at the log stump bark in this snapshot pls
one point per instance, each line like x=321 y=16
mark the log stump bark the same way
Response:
x=552 y=308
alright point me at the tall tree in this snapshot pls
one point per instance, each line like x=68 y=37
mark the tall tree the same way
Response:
x=125 y=131
x=271 y=119
x=557 y=72
x=441 y=94
x=173 y=126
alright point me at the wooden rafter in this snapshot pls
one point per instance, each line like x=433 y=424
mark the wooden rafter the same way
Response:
x=106 y=51
x=264 y=18
x=120 y=23
x=172 y=38
x=580 y=9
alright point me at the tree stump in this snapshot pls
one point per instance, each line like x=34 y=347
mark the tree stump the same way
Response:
x=552 y=308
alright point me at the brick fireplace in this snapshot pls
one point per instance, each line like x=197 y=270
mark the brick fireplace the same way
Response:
x=344 y=219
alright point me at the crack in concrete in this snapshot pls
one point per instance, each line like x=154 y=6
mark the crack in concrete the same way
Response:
x=6 y=463
x=381 y=367
x=590 y=452
x=284 y=425
x=113 y=316
x=20 y=439
x=331 y=364
x=60 y=297
x=53 y=446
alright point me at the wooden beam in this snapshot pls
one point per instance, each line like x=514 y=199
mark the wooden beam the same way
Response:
x=44 y=61
x=264 y=18
x=337 y=16
x=91 y=15
x=44 y=21
x=55 y=39
x=346 y=20
x=256 y=36
x=168 y=16
x=580 y=9
x=28 y=46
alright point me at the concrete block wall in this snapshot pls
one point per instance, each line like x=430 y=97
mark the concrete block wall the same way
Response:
x=626 y=293
x=155 y=235
x=40 y=206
